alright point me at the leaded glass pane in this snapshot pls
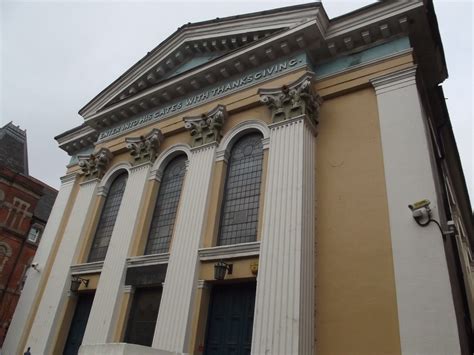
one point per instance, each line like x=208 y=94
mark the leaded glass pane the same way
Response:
x=107 y=219
x=164 y=215
x=239 y=217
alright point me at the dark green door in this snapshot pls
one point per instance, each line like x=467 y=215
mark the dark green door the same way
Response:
x=230 y=319
x=143 y=315
x=78 y=324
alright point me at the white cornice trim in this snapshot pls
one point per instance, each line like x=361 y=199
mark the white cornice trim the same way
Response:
x=229 y=251
x=390 y=9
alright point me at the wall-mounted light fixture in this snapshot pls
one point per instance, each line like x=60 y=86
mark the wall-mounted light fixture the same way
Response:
x=220 y=270
x=76 y=282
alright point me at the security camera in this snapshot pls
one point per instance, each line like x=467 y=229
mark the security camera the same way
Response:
x=421 y=211
x=420 y=204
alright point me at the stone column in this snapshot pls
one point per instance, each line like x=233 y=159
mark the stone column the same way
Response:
x=49 y=315
x=105 y=308
x=35 y=281
x=425 y=303
x=284 y=305
x=173 y=326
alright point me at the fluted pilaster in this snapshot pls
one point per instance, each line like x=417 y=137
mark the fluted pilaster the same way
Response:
x=35 y=281
x=53 y=301
x=174 y=318
x=426 y=313
x=284 y=308
x=102 y=319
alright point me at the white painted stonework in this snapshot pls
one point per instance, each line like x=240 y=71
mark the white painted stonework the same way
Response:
x=104 y=311
x=122 y=349
x=172 y=332
x=425 y=304
x=284 y=305
x=35 y=279
x=42 y=337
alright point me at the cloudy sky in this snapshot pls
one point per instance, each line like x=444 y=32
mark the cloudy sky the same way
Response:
x=57 y=55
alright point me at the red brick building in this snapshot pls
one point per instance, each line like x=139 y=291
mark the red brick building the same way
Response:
x=25 y=204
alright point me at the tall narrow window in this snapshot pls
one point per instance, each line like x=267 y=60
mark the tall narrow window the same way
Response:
x=107 y=219
x=164 y=215
x=239 y=217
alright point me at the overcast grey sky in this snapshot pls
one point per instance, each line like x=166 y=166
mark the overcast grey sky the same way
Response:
x=57 y=55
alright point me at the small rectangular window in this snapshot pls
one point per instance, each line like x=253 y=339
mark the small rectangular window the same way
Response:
x=34 y=234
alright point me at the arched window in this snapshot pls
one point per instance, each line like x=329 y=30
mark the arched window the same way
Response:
x=239 y=216
x=5 y=254
x=107 y=219
x=164 y=215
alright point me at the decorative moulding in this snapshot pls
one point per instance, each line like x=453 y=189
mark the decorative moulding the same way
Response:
x=203 y=284
x=395 y=80
x=207 y=127
x=87 y=268
x=128 y=289
x=240 y=129
x=95 y=165
x=229 y=251
x=293 y=100
x=145 y=148
x=144 y=260
x=69 y=178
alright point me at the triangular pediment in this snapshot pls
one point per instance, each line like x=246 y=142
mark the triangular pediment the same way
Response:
x=201 y=57
x=194 y=45
x=187 y=56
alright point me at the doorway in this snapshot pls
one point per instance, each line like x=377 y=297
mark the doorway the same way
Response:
x=79 y=323
x=230 y=319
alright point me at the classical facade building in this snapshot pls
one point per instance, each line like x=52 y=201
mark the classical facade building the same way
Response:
x=25 y=204
x=244 y=188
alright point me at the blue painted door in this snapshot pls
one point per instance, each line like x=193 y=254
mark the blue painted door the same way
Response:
x=78 y=324
x=230 y=319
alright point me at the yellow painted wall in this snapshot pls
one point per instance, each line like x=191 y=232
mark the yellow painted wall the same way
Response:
x=356 y=309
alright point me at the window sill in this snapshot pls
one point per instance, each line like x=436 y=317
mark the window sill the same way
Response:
x=229 y=251
x=144 y=260
x=87 y=268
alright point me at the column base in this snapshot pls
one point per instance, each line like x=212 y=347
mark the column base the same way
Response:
x=122 y=349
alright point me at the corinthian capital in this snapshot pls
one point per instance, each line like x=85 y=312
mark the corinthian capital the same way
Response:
x=293 y=100
x=95 y=165
x=145 y=148
x=207 y=127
